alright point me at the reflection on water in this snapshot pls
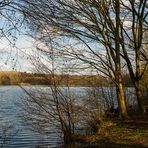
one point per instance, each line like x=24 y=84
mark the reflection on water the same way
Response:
x=15 y=134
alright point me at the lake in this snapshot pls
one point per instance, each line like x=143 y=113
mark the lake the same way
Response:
x=18 y=134
x=14 y=133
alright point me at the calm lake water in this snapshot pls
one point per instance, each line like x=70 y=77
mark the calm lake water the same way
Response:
x=16 y=134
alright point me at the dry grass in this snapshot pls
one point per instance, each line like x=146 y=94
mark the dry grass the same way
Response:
x=115 y=134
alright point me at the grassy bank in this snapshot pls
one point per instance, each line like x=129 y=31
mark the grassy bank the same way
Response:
x=131 y=133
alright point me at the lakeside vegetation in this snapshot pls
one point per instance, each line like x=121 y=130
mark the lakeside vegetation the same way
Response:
x=117 y=134
x=24 y=78
x=107 y=37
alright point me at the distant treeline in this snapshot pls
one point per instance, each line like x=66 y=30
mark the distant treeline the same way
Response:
x=23 y=78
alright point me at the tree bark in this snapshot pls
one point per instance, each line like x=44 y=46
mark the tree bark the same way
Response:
x=118 y=77
x=121 y=99
x=139 y=98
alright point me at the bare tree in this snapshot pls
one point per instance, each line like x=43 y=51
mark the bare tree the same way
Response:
x=88 y=22
x=11 y=21
x=102 y=22
x=133 y=31
x=51 y=106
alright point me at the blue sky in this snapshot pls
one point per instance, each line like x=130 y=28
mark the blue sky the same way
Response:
x=14 y=45
x=16 y=57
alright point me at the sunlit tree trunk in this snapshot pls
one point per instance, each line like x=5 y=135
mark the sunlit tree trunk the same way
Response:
x=121 y=99
x=118 y=77
x=86 y=21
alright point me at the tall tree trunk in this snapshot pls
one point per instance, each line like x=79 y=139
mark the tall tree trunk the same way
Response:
x=139 y=97
x=137 y=81
x=138 y=36
x=119 y=85
x=120 y=94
